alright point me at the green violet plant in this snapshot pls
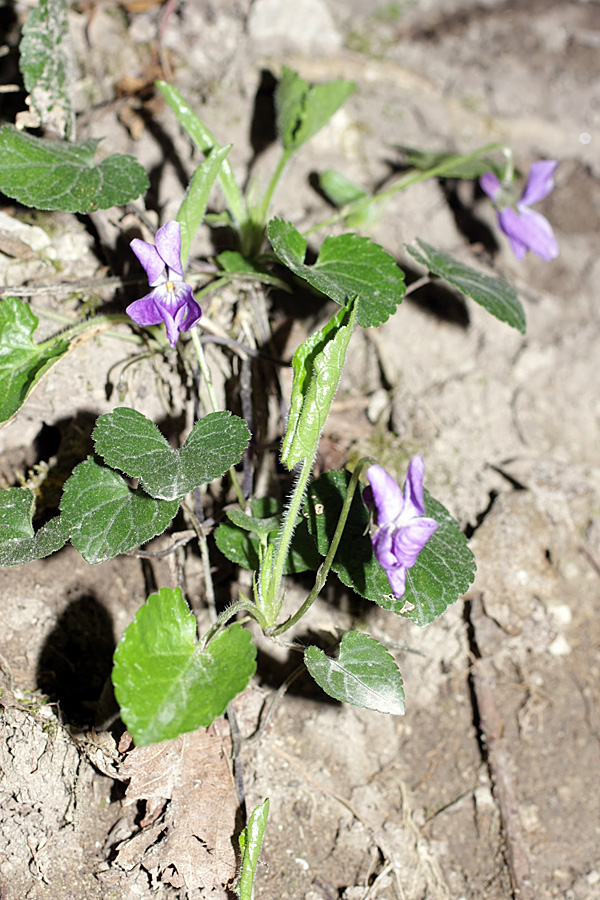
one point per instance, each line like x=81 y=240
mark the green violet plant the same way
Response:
x=400 y=549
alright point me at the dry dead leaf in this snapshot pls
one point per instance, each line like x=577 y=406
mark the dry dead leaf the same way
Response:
x=192 y=845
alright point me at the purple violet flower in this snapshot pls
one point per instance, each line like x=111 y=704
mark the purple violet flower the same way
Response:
x=526 y=229
x=172 y=300
x=402 y=527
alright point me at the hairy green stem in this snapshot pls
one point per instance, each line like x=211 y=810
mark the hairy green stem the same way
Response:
x=266 y=201
x=230 y=612
x=328 y=561
x=272 y=603
x=204 y=368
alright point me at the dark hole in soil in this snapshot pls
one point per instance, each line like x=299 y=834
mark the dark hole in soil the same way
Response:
x=76 y=659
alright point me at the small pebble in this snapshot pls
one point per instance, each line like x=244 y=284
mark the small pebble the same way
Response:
x=559 y=646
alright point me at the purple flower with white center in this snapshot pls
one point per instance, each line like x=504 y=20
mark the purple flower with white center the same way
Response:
x=403 y=529
x=526 y=229
x=171 y=300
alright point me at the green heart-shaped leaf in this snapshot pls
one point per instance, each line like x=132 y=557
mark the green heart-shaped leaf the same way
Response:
x=105 y=517
x=364 y=674
x=130 y=442
x=18 y=542
x=49 y=174
x=22 y=363
x=347 y=266
x=167 y=684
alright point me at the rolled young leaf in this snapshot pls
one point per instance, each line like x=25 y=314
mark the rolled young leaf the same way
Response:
x=23 y=363
x=317 y=369
x=303 y=110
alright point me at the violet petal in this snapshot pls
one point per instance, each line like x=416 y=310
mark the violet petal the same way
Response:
x=490 y=184
x=150 y=258
x=383 y=548
x=540 y=182
x=531 y=229
x=414 y=504
x=168 y=244
x=146 y=311
x=410 y=540
x=397 y=579
x=387 y=496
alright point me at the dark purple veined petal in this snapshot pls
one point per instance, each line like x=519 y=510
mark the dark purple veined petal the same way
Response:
x=180 y=312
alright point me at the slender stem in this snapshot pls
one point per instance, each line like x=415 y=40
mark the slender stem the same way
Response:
x=264 y=206
x=412 y=177
x=232 y=611
x=213 y=286
x=79 y=327
x=328 y=561
x=204 y=368
x=271 y=602
x=283 y=161
x=509 y=171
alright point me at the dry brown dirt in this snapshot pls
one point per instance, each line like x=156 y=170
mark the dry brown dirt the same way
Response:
x=494 y=773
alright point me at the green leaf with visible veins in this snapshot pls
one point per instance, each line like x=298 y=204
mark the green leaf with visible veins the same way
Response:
x=492 y=293
x=49 y=174
x=206 y=142
x=455 y=164
x=22 y=363
x=105 y=517
x=167 y=684
x=303 y=110
x=443 y=571
x=317 y=367
x=250 y=841
x=235 y=539
x=130 y=442
x=347 y=266
x=192 y=210
x=364 y=674
x=18 y=542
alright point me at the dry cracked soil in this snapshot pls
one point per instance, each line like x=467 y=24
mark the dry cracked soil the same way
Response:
x=489 y=787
